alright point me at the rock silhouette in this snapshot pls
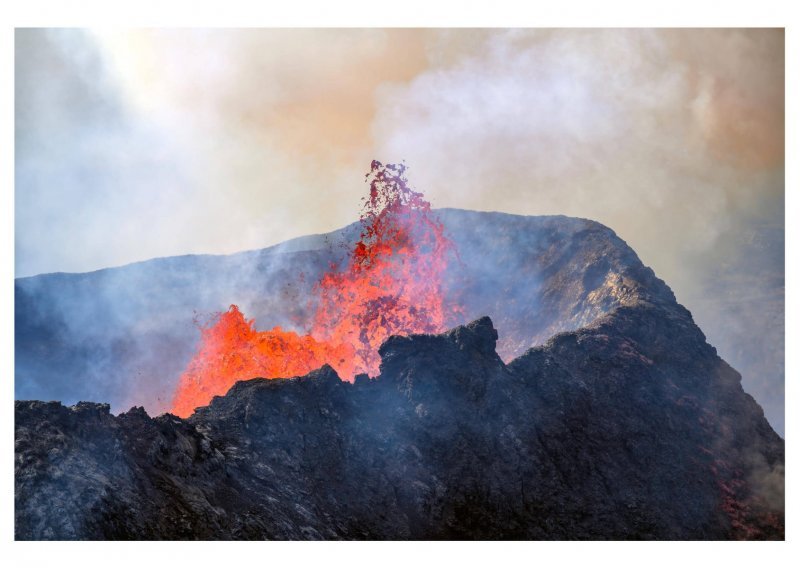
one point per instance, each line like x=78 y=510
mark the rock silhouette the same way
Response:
x=629 y=428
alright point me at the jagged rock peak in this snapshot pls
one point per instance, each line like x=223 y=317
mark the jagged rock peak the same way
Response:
x=99 y=407
x=137 y=412
x=325 y=374
x=479 y=335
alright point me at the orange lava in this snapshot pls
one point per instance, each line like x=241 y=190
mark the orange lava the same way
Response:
x=390 y=285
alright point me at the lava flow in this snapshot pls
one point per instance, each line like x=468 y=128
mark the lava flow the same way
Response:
x=391 y=285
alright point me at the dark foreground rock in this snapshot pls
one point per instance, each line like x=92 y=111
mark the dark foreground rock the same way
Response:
x=629 y=428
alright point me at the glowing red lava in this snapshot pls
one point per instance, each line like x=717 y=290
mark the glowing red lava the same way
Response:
x=390 y=285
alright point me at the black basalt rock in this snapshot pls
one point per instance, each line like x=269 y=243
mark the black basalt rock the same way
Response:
x=629 y=428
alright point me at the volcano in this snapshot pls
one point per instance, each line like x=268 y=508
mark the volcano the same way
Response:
x=581 y=402
x=124 y=335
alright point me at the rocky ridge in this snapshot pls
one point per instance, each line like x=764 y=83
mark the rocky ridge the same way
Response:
x=630 y=427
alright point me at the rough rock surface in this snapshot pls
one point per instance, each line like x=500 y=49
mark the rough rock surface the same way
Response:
x=628 y=428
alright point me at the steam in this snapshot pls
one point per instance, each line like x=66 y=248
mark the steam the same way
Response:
x=85 y=186
x=392 y=283
x=673 y=138
x=141 y=144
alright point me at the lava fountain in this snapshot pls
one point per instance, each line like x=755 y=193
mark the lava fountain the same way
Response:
x=391 y=284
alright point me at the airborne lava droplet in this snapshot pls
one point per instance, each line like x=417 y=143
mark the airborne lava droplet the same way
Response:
x=391 y=284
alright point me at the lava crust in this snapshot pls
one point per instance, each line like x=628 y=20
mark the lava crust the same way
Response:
x=628 y=428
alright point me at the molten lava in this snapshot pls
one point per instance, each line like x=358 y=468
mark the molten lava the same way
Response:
x=232 y=349
x=390 y=285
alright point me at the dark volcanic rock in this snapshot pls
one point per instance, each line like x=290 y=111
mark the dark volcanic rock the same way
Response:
x=629 y=428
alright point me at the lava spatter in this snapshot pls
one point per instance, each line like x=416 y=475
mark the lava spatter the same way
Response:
x=390 y=284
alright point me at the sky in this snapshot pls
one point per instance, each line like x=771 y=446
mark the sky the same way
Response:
x=134 y=144
x=226 y=140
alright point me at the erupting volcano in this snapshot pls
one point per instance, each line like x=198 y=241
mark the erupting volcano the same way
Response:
x=580 y=401
x=391 y=284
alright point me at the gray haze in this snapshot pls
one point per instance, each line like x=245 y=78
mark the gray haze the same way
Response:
x=139 y=144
